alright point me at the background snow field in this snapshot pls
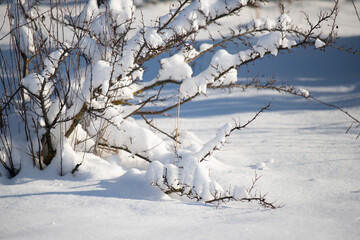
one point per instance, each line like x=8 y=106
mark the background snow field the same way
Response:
x=300 y=149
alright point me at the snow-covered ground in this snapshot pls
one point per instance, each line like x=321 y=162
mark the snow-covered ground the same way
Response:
x=307 y=163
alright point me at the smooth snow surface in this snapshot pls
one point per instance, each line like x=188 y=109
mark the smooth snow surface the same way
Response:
x=300 y=149
x=313 y=171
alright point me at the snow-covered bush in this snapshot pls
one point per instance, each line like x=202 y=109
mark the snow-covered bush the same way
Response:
x=77 y=77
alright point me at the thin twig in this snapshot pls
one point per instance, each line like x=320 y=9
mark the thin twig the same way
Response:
x=237 y=127
x=356 y=11
x=126 y=150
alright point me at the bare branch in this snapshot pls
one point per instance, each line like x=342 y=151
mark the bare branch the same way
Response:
x=126 y=150
x=237 y=127
x=158 y=129
x=356 y=11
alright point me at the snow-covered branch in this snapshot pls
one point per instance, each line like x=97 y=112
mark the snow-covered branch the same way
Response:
x=76 y=83
x=222 y=134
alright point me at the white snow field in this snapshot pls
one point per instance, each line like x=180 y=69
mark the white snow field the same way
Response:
x=300 y=148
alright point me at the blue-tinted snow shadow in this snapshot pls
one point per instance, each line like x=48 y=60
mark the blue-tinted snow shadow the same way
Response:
x=221 y=106
x=131 y=185
x=332 y=75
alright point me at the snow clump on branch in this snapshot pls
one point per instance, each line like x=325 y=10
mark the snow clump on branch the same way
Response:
x=91 y=86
